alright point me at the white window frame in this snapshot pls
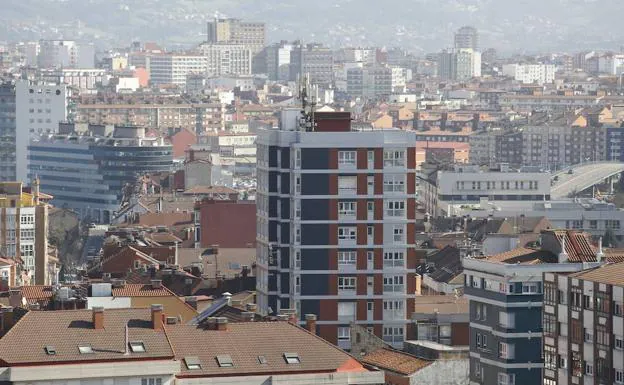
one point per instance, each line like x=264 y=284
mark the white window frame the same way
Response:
x=347 y=283
x=395 y=208
x=619 y=376
x=506 y=379
x=346 y=208
x=505 y=350
x=394 y=158
x=347 y=258
x=530 y=288
x=398 y=233
x=619 y=343
x=394 y=258
x=347 y=233
x=394 y=183
x=506 y=320
x=347 y=158
x=344 y=333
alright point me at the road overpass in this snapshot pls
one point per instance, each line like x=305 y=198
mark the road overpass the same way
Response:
x=582 y=177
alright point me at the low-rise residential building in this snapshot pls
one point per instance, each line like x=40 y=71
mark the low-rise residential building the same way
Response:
x=530 y=73
x=506 y=294
x=24 y=235
x=149 y=347
x=446 y=192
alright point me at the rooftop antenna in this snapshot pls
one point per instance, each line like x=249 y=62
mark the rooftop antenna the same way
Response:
x=308 y=94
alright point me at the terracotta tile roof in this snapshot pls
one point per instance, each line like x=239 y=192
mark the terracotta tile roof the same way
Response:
x=395 y=361
x=37 y=292
x=614 y=255
x=523 y=255
x=246 y=341
x=65 y=330
x=6 y=261
x=577 y=244
x=141 y=290
x=610 y=273
x=168 y=219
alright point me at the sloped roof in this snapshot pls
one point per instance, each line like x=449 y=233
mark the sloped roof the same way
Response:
x=395 y=361
x=523 y=255
x=244 y=342
x=66 y=330
x=611 y=273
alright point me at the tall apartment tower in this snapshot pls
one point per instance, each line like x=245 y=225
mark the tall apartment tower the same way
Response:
x=506 y=293
x=467 y=37
x=583 y=326
x=336 y=225
x=7 y=132
x=235 y=31
x=39 y=110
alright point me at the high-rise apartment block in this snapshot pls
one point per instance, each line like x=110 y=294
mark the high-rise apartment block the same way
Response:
x=235 y=31
x=335 y=212
x=315 y=61
x=39 y=110
x=506 y=293
x=227 y=59
x=370 y=82
x=459 y=64
x=467 y=37
x=7 y=132
x=65 y=53
x=583 y=326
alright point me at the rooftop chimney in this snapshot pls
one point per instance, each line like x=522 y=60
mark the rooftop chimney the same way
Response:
x=283 y=317
x=98 y=317
x=222 y=323
x=156 y=283
x=311 y=322
x=157 y=313
x=211 y=323
x=7 y=319
x=600 y=254
x=252 y=307
x=563 y=255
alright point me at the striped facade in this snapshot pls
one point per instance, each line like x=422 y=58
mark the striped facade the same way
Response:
x=336 y=229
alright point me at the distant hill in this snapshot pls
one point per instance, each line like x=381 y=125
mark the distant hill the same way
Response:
x=419 y=25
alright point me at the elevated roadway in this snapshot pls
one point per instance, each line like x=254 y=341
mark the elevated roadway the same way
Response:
x=582 y=177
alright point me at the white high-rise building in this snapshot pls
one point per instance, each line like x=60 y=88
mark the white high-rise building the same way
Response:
x=530 y=73
x=226 y=59
x=459 y=64
x=39 y=109
x=174 y=69
x=65 y=54
x=467 y=37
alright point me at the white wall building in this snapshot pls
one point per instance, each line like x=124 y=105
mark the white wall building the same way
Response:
x=39 y=109
x=174 y=69
x=530 y=73
x=224 y=59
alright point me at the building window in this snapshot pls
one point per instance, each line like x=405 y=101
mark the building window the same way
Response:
x=477 y=368
x=395 y=208
x=394 y=158
x=550 y=293
x=550 y=357
x=27 y=234
x=563 y=362
x=506 y=320
x=505 y=350
x=346 y=283
x=394 y=183
x=612 y=224
x=151 y=381
x=589 y=369
x=344 y=333
x=588 y=336
x=602 y=303
x=394 y=259
x=393 y=283
x=347 y=233
x=619 y=343
x=398 y=232
x=346 y=158
x=576 y=331
x=587 y=301
x=27 y=219
x=530 y=288
x=617 y=308
x=347 y=258
x=619 y=377
x=506 y=379
x=27 y=250
x=346 y=208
